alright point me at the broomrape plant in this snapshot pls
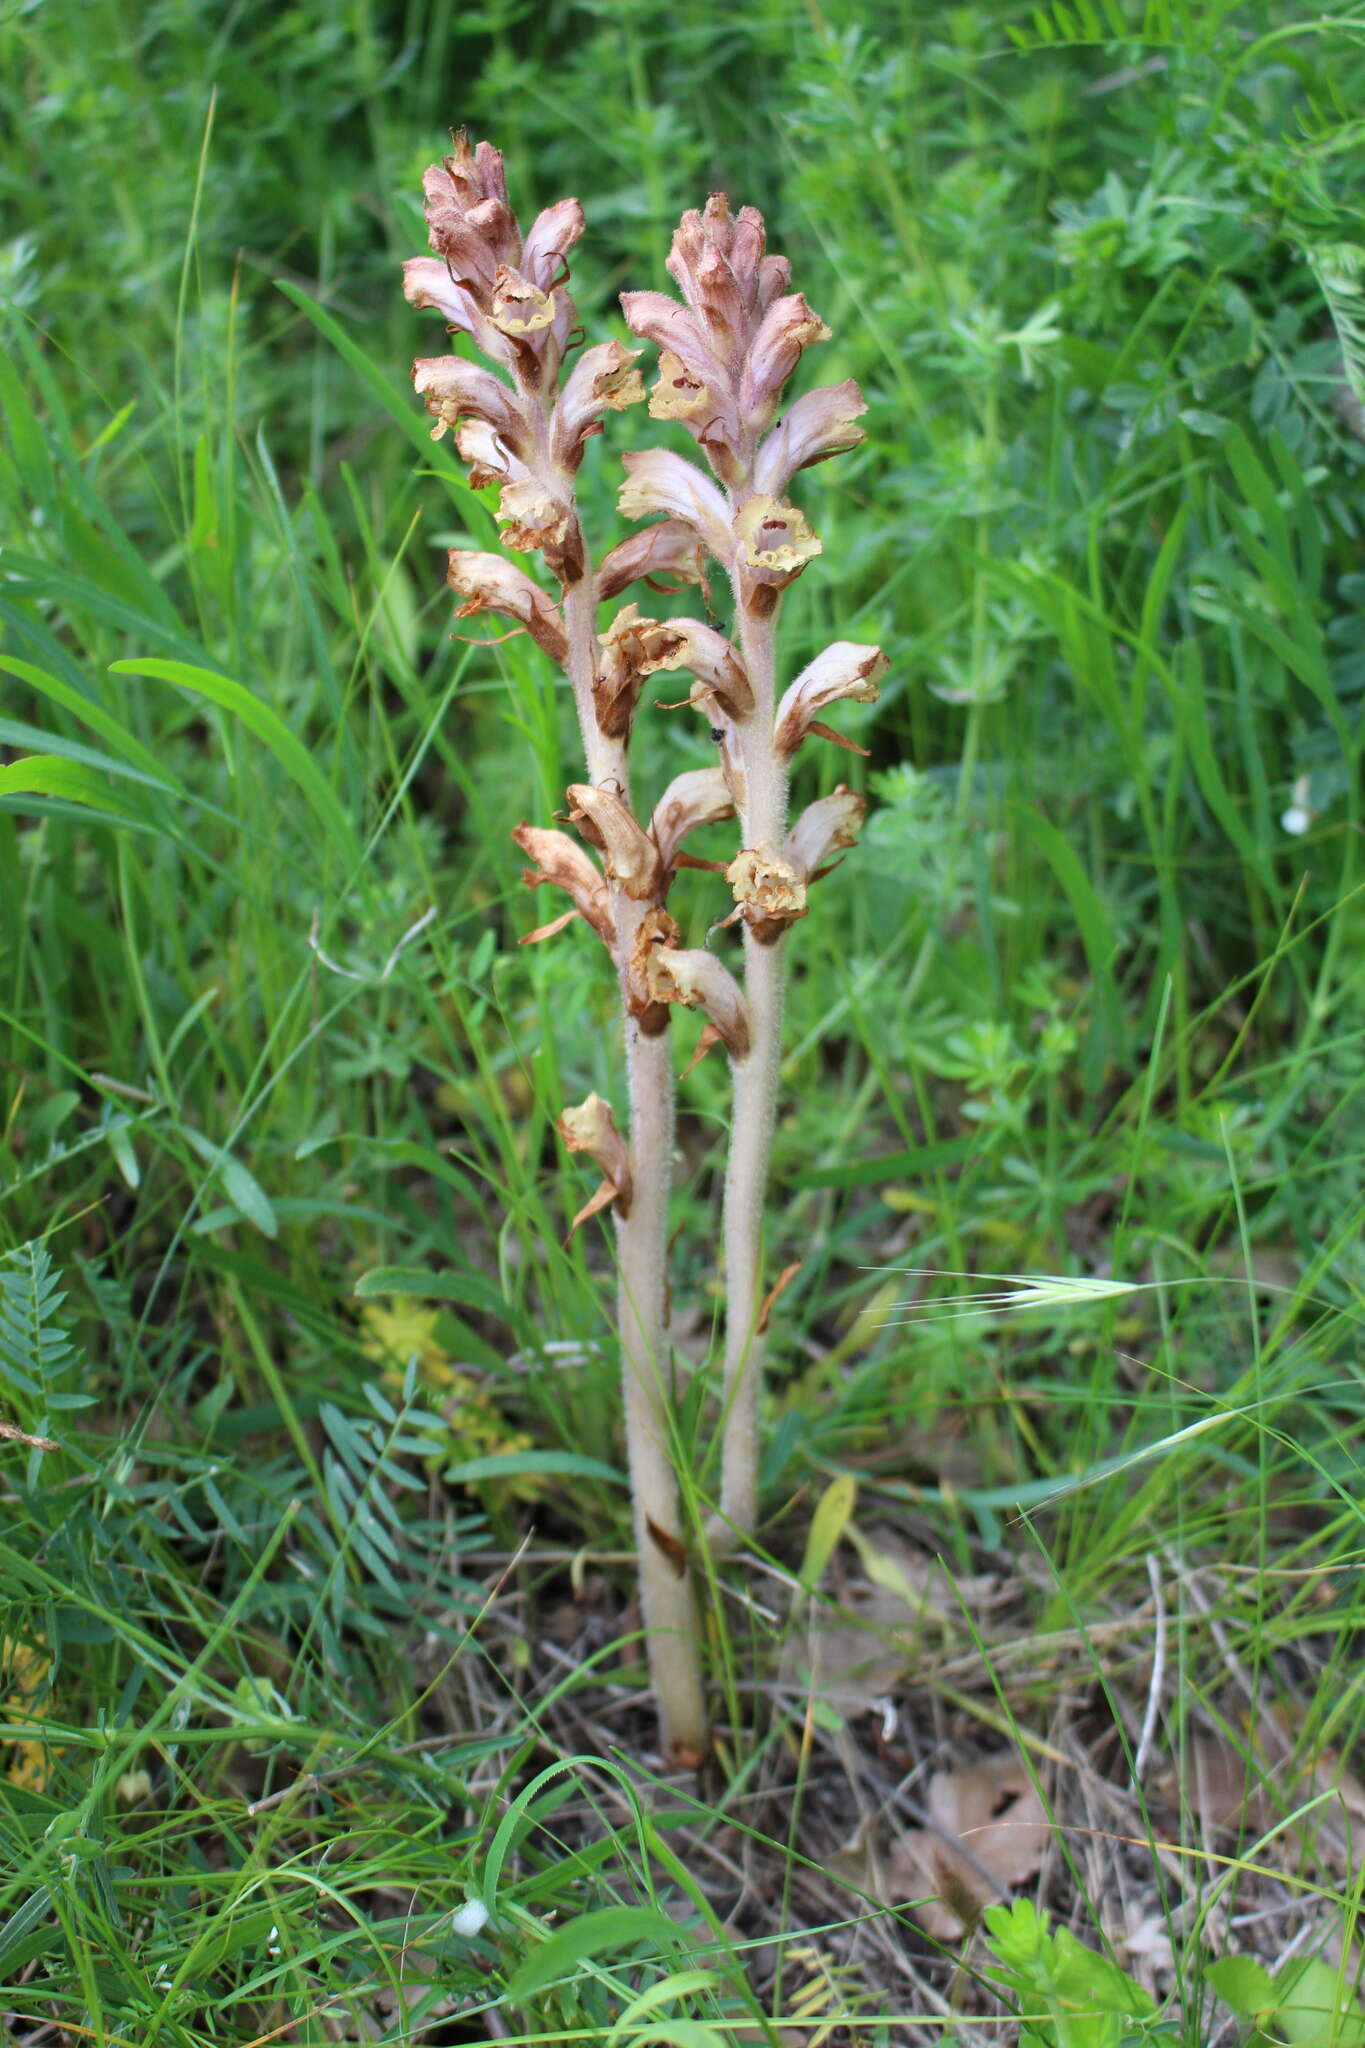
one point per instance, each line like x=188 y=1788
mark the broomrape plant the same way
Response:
x=725 y=354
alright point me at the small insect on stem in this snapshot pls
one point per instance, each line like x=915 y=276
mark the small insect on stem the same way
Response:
x=716 y=733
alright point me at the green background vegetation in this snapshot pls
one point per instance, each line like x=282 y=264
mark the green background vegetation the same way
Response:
x=1080 y=1003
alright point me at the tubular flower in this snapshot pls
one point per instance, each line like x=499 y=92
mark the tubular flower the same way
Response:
x=827 y=826
x=769 y=890
x=821 y=424
x=590 y=1127
x=629 y=855
x=788 y=329
x=843 y=670
x=698 y=980
x=560 y=860
x=659 y=481
x=454 y=390
x=604 y=379
x=632 y=648
x=666 y=549
x=490 y=583
x=697 y=797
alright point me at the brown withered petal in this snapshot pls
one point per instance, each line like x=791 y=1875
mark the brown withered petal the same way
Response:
x=590 y=1127
x=629 y=855
x=632 y=648
x=455 y=390
x=769 y=891
x=549 y=239
x=787 y=329
x=666 y=550
x=562 y=861
x=827 y=826
x=818 y=425
x=604 y=379
x=531 y=518
x=717 y=665
x=844 y=669
x=650 y=1011
x=775 y=540
x=519 y=307
x=700 y=981
x=490 y=583
x=696 y=797
x=659 y=481
x=490 y=460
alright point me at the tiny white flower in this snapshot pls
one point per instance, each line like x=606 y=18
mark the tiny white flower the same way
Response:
x=1299 y=817
x=471 y=1919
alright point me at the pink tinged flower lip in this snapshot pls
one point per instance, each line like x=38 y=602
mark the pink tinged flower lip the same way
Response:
x=629 y=855
x=775 y=538
x=659 y=481
x=697 y=797
x=818 y=425
x=491 y=583
x=549 y=239
x=844 y=669
x=828 y=826
x=700 y=981
x=561 y=861
x=519 y=307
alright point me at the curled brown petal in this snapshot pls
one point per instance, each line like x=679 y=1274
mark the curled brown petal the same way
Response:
x=629 y=855
x=844 y=669
x=590 y=1127
x=643 y=1002
x=560 y=860
x=700 y=981
x=769 y=890
x=490 y=583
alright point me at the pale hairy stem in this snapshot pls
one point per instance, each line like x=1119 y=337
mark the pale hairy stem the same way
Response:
x=763 y=820
x=667 y=1597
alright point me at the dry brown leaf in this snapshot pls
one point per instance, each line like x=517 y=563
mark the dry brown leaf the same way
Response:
x=989 y=1833
x=851 y=1656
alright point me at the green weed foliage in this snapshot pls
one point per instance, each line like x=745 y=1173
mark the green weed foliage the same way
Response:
x=1086 y=1002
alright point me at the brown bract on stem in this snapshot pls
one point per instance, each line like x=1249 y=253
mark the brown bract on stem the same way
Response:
x=521 y=420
